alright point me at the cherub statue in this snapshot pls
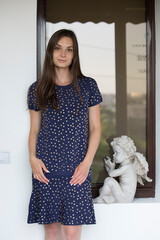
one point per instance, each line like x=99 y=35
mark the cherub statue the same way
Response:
x=132 y=168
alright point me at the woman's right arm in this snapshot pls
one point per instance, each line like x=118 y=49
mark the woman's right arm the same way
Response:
x=36 y=164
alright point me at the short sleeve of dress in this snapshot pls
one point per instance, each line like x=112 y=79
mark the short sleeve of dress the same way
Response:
x=95 y=95
x=31 y=98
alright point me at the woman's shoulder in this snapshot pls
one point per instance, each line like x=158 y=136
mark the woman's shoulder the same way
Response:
x=90 y=86
x=87 y=81
x=33 y=85
x=32 y=88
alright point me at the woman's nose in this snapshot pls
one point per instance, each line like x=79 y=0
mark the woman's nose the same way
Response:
x=63 y=53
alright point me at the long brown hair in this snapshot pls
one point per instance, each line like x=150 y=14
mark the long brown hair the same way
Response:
x=46 y=91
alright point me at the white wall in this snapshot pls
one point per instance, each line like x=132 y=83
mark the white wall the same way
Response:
x=17 y=72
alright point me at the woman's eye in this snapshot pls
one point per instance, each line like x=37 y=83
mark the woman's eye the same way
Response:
x=70 y=50
x=56 y=48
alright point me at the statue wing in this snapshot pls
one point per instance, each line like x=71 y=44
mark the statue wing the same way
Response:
x=141 y=166
x=139 y=180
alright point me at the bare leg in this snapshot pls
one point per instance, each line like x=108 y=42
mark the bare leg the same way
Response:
x=71 y=232
x=53 y=231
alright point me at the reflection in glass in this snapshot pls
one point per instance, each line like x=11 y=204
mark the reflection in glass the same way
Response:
x=136 y=83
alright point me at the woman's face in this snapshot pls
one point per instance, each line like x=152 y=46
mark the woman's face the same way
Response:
x=63 y=53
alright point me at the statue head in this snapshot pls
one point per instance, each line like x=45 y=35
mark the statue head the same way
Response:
x=119 y=154
x=125 y=145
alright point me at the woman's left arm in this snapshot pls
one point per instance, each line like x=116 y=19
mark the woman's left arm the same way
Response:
x=82 y=170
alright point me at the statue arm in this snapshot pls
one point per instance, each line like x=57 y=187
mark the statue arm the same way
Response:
x=108 y=164
x=117 y=172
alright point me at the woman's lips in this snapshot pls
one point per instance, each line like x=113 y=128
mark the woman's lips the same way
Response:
x=62 y=61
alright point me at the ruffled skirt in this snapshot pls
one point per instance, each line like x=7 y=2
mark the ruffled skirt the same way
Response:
x=59 y=201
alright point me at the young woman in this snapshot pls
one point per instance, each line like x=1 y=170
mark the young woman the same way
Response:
x=65 y=129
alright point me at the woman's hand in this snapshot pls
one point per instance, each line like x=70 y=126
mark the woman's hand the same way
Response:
x=80 y=173
x=37 y=165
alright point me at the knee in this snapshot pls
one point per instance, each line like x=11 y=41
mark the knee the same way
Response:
x=108 y=181
x=52 y=230
x=72 y=234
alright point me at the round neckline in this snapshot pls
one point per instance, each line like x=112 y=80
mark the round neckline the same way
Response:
x=63 y=86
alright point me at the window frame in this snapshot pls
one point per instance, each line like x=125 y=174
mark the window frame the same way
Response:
x=148 y=190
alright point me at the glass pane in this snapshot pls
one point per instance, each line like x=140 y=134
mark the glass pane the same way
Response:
x=136 y=83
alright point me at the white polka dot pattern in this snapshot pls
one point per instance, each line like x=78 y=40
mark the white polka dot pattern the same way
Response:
x=62 y=144
x=60 y=202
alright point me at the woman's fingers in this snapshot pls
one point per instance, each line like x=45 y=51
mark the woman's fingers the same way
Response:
x=44 y=168
x=44 y=179
x=82 y=180
x=37 y=167
x=77 y=179
x=41 y=178
x=75 y=176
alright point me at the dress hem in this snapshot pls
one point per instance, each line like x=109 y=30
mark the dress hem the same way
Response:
x=61 y=223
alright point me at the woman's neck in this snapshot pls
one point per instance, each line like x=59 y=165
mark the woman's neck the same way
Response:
x=63 y=76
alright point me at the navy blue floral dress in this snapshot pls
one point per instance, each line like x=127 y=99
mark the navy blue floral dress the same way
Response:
x=62 y=144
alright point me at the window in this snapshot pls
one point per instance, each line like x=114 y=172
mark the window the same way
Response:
x=122 y=34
